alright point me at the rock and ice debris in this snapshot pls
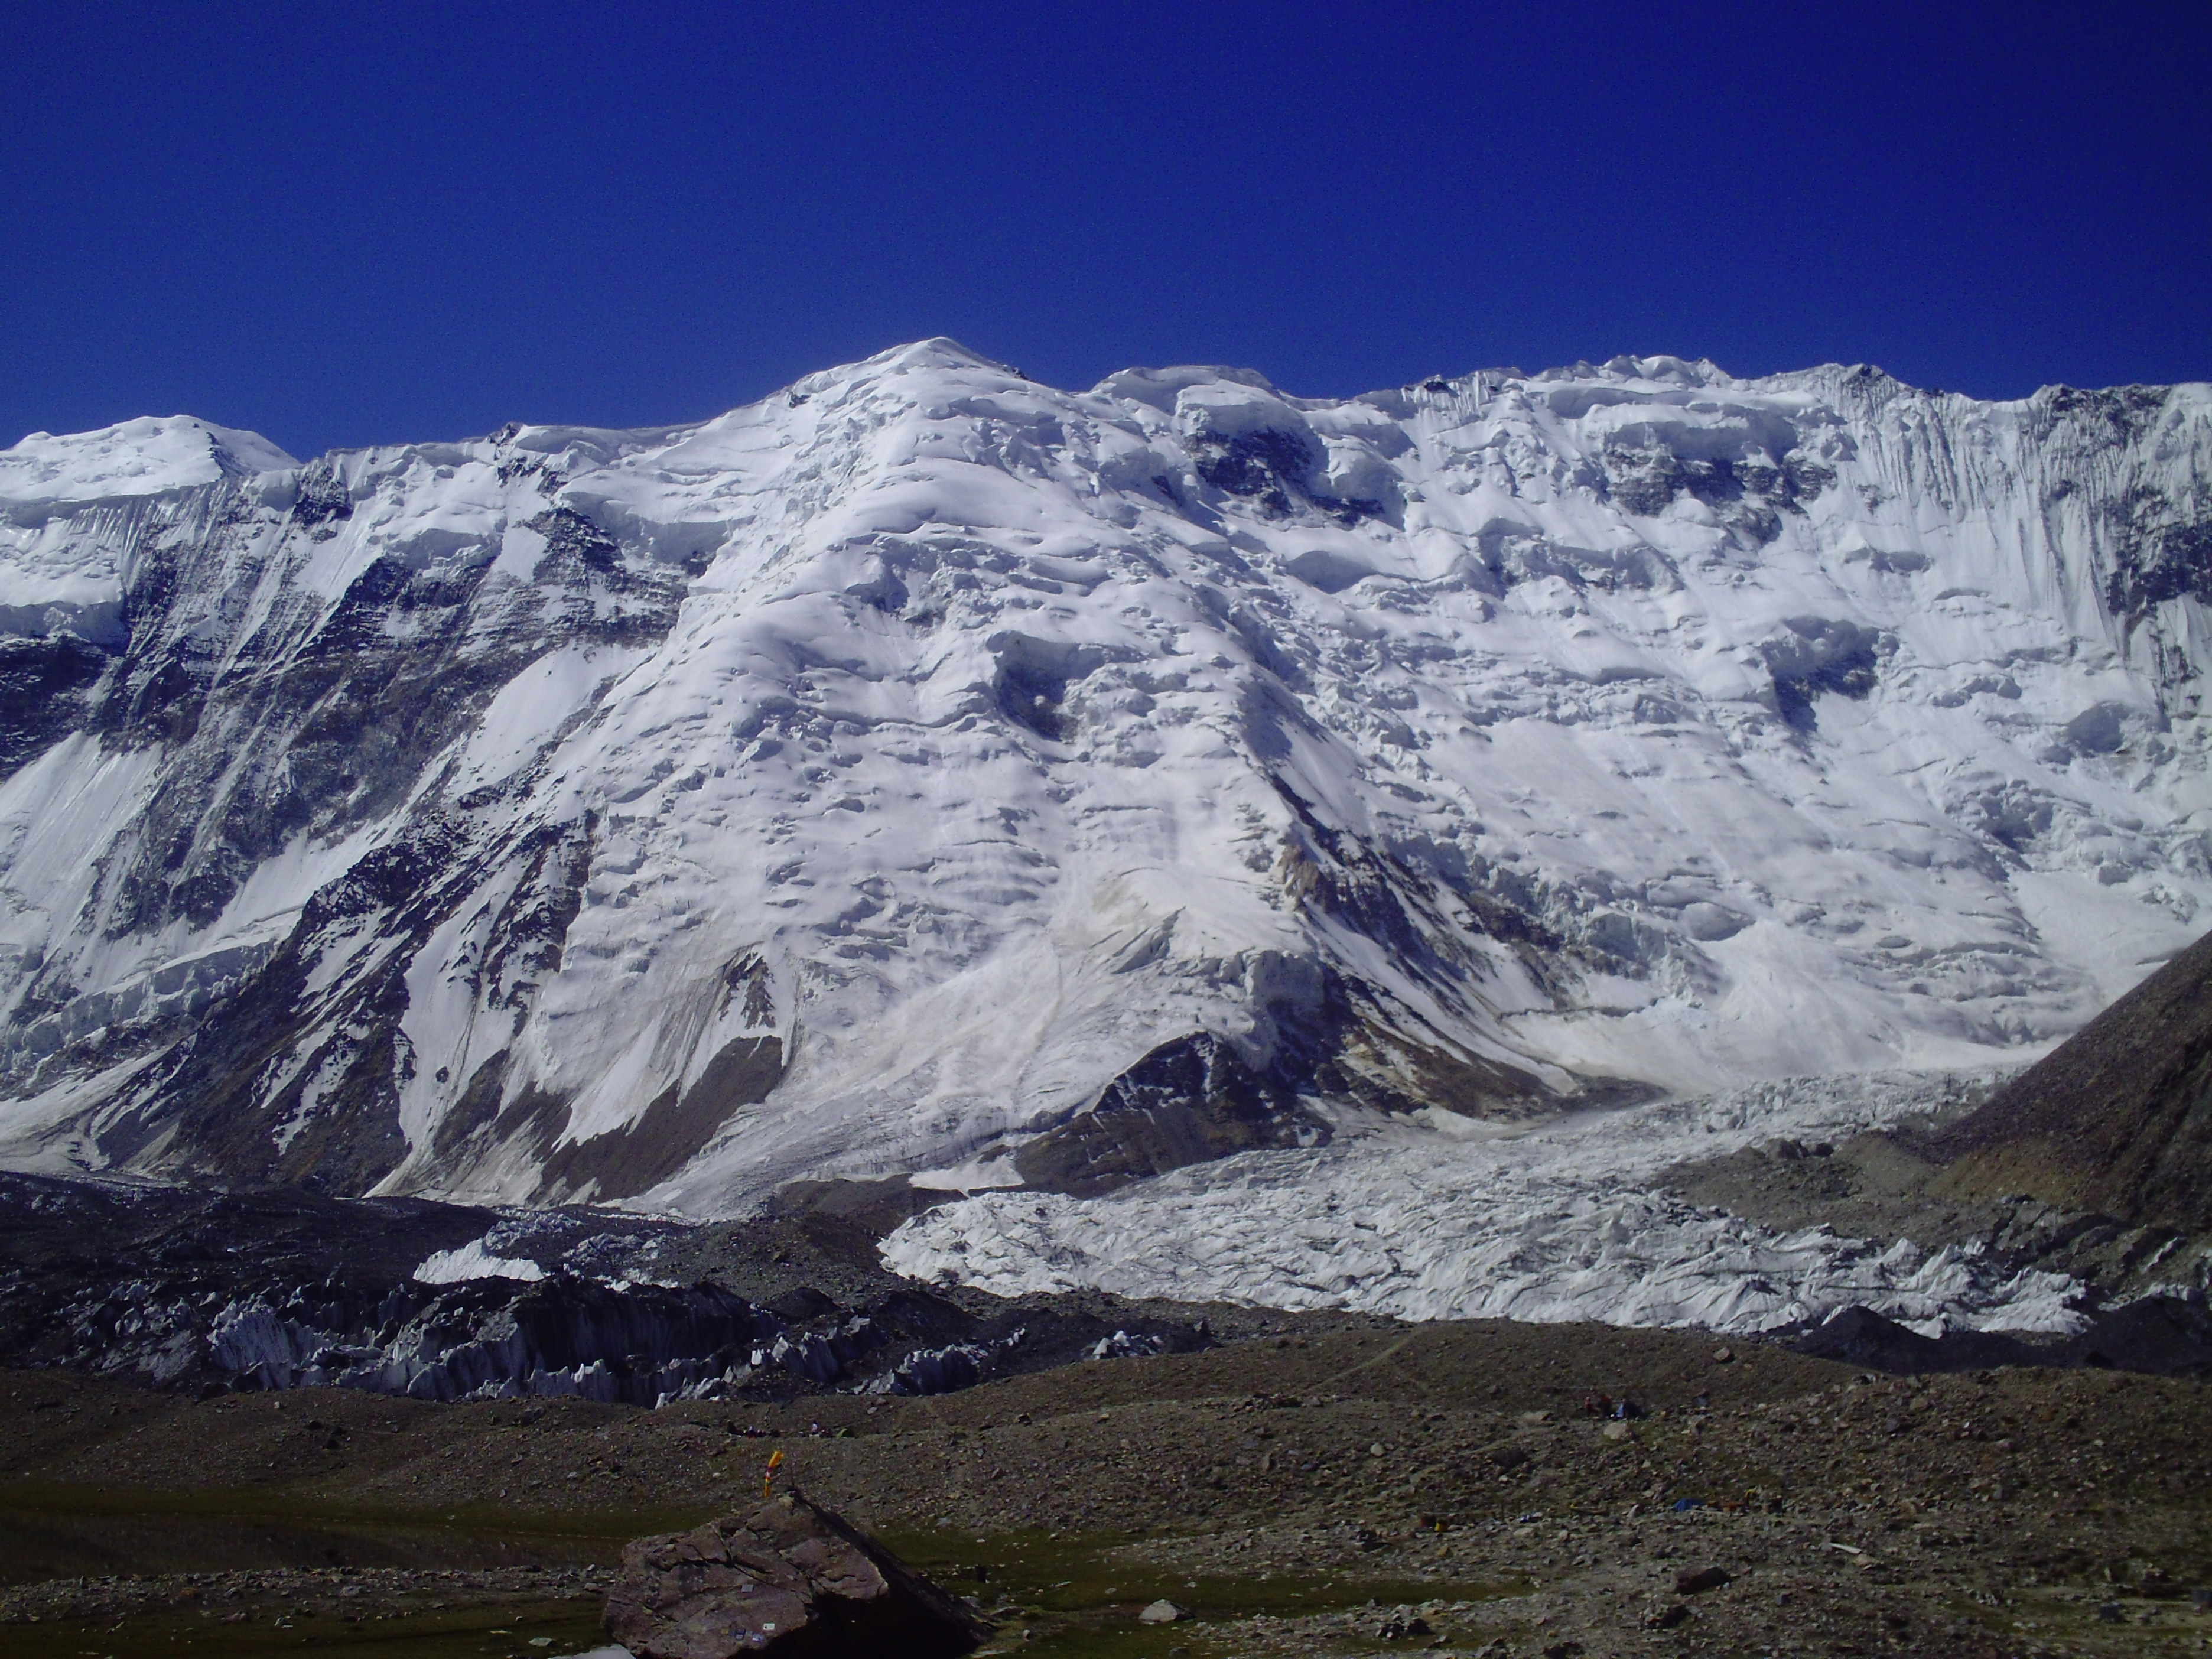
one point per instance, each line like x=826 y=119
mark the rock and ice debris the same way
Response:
x=1556 y=1223
x=875 y=778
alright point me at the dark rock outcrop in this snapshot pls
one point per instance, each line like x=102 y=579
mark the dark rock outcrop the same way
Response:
x=1187 y=1101
x=791 y=1578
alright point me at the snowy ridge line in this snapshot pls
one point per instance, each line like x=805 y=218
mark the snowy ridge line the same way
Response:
x=1556 y=1224
x=875 y=779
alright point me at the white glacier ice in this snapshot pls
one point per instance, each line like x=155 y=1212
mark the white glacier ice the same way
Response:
x=1555 y=1223
x=473 y=1261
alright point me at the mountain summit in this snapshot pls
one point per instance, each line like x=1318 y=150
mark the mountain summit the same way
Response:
x=927 y=769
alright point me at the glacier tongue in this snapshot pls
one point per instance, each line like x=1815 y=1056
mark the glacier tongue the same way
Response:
x=866 y=779
x=1555 y=1223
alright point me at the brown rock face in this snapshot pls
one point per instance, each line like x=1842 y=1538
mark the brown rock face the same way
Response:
x=2118 y=1119
x=789 y=1579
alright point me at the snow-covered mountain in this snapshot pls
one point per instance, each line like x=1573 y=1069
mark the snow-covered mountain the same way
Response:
x=927 y=769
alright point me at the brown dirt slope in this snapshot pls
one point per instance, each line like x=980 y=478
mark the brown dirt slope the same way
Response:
x=2118 y=1119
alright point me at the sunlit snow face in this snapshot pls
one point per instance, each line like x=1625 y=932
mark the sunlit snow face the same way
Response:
x=863 y=780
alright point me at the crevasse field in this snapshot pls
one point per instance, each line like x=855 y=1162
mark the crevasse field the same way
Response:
x=1555 y=1223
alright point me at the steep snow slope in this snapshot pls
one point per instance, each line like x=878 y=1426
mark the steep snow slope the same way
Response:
x=924 y=767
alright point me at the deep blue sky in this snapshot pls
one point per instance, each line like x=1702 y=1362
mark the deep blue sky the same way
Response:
x=344 y=225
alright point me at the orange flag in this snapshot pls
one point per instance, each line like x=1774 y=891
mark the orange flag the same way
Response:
x=767 y=1481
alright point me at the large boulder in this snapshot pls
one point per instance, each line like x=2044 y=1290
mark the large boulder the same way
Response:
x=791 y=1578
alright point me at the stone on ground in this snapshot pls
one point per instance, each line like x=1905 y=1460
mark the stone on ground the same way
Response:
x=789 y=1579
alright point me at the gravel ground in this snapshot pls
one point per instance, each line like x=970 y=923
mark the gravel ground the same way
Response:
x=1350 y=1490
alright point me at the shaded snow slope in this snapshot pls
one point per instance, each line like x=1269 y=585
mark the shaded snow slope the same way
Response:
x=887 y=775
